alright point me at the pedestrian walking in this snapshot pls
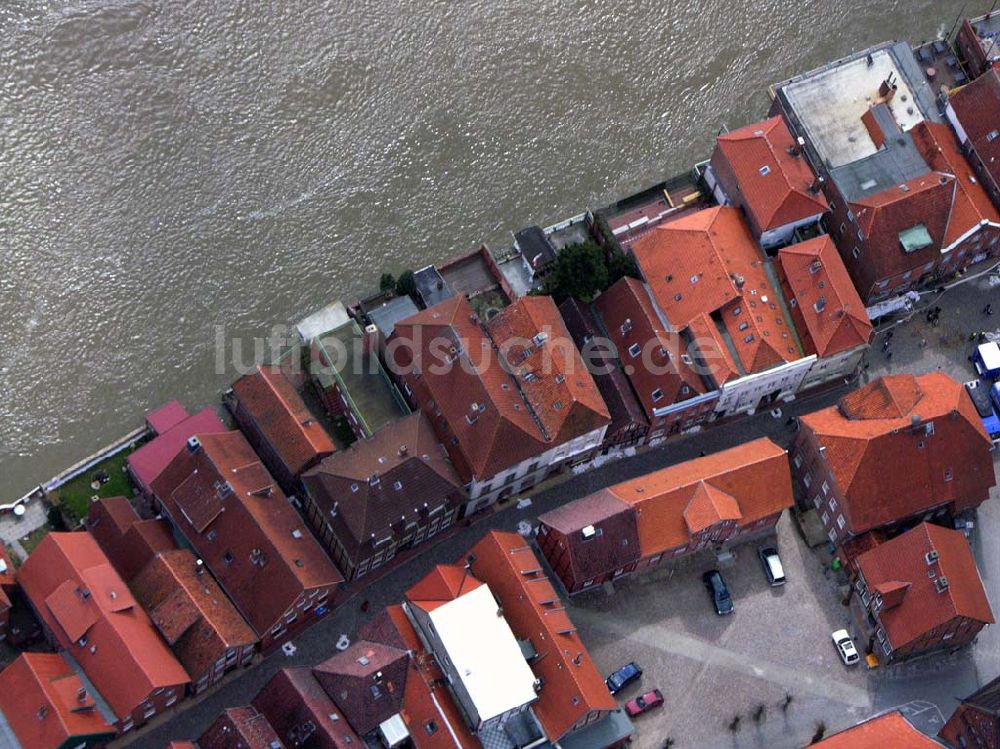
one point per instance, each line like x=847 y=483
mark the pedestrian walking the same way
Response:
x=923 y=343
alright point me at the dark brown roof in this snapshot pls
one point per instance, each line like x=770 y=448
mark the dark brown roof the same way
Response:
x=302 y=713
x=402 y=471
x=367 y=681
x=282 y=417
x=612 y=540
x=612 y=382
x=190 y=610
x=128 y=541
x=978 y=108
x=240 y=728
x=259 y=548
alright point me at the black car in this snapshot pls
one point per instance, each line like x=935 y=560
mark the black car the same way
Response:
x=716 y=587
x=623 y=677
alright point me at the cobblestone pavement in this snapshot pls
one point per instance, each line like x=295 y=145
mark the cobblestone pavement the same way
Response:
x=712 y=670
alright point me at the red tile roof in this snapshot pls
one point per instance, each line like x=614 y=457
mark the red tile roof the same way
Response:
x=495 y=425
x=778 y=197
x=147 y=462
x=430 y=713
x=708 y=263
x=46 y=704
x=190 y=610
x=240 y=728
x=631 y=319
x=885 y=423
x=75 y=591
x=977 y=106
x=551 y=375
x=889 y=730
x=572 y=686
x=282 y=417
x=746 y=483
x=128 y=541
x=828 y=312
x=898 y=570
x=295 y=703
x=258 y=529
x=444 y=583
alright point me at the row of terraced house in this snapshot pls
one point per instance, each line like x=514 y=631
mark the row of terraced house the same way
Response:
x=754 y=276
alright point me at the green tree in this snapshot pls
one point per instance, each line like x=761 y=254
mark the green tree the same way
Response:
x=406 y=284
x=580 y=272
x=620 y=265
x=387 y=282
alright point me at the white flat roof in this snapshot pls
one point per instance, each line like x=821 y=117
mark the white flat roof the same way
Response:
x=990 y=355
x=831 y=102
x=485 y=653
x=322 y=321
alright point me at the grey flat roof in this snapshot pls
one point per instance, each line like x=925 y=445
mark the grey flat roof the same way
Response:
x=898 y=162
x=431 y=286
x=827 y=103
x=386 y=315
x=8 y=739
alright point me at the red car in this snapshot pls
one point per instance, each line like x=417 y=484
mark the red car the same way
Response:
x=644 y=703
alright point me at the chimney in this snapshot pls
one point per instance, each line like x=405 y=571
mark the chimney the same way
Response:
x=817 y=185
x=816 y=266
x=194 y=444
x=42 y=712
x=199 y=567
x=403 y=450
x=81 y=694
x=820 y=304
x=371 y=339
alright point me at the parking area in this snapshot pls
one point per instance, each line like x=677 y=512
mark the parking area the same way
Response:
x=714 y=669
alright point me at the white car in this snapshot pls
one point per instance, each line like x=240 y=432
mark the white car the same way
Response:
x=845 y=647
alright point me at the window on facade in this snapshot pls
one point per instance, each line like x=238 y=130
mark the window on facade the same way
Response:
x=841 y=522
x=807 y=480
x=825 y=517
x=825 y=487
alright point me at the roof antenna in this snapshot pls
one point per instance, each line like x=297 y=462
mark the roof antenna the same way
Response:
x=468 y=567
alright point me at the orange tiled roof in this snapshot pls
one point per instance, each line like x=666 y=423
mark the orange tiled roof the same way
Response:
x=887 y=731
x=885 y=423
x=46 y=704
x=630 y=319
x=75 y=591
x=780 y=196
x=572 y=685
x=444 y=583
x=978 y=108
x=282 y=416
x=832 y=315
x=745 y=483
x=707 y=263
x=899 y=569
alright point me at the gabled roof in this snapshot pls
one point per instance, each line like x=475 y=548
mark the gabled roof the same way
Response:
x=430 y=713
x=402 y=471
x=774 y=182
x=550 y=372
x=166 y=417
x=148 y=461
x=481 y=403
x=925 y=427
x=618 y=395
x=927 y=603
x=282 y=417
x=302 y=713
x=240 y=728
x=444 y=583
x=128 y=541
x=226 y=504
x=832 y=313
x=592 y=555
x=631 y=319
x=46 y=703
x=190 y=610
x=367 y=681
x=889 y=730
x=745 y=484
x=75 y=591
x=707 y=263
x=977 y=106
x=571 y=685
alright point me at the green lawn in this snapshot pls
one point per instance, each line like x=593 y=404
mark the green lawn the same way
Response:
x=30 y=541
x=73 y=498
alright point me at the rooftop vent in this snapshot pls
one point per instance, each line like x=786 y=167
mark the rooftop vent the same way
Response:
x=403 y=450
x=931 y=556
x=589 y=531
x=193 y=444
x=941 y=584
x=820 y=304
x=816 y=266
